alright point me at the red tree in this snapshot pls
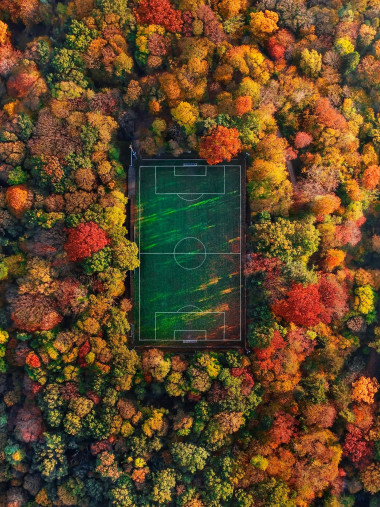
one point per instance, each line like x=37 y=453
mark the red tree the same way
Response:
x=334 y=298
x=8 y=59
x=275 y=50
x=34 y=313
x=322 y=415
x=282 y=429
x=257 y=262
x=268 y=357
x=246 y=378
x=19 y=85
x=33 y=360
x=211 y=25
x=302 y=305
x=86 y=239
x=220 y=144
x=82 y=353
x=29 y=425
x=328 y=115
x=371 y=177
x=300 y=343
x=356 y=447
x=348 y=233
x=302 y=140
x=159 y=12
x=69 y=296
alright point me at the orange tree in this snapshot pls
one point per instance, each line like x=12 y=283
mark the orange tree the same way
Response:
x=220 y=144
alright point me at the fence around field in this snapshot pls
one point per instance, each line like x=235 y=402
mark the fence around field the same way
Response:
x=189 y=288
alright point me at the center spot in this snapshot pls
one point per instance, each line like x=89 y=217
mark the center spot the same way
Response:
x=190 y=253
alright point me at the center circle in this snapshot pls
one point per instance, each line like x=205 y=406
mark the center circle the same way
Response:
x=190 y=253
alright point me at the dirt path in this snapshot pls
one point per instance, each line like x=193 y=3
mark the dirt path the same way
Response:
x=289 y=165
x=373 y=365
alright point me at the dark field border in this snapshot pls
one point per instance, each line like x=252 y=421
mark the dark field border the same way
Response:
x=130 y=281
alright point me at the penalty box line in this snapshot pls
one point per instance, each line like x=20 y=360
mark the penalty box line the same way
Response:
x=188 y=330
x=189 y=176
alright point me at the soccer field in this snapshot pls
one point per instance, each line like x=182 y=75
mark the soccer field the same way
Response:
x=188 y=288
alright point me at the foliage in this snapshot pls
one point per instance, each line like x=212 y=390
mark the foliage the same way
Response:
x=364 y=390
x=285 y=239
x=293 y=418
x=84 y=240
x=311 y=63
x=155 y=12
x=220 y=144
x=302 y=306
x=189 y=456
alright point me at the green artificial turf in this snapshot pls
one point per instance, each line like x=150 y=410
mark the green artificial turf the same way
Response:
x=188 y=286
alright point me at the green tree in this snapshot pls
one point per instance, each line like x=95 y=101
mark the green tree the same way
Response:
x=286 y=239
x=275 y=493
x=189 y=457
x=218 y=490
x=79 y=36
x=49 y=457
x=52 y=405
x=163 y=485
x=122 y=494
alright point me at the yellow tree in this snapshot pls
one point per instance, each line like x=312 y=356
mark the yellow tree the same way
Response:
x=263 y=24
x=364 y=390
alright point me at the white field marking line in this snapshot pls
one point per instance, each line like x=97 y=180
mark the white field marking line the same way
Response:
x=190 y=237
x=178 y=312
x=240 y=268
x=171 y=253
x=231 y=163
x=190 y=253
x=189 y=175
x=139 y=254
x=188 y=306
x=187 y=193
x=190 y=200
x=200 y=311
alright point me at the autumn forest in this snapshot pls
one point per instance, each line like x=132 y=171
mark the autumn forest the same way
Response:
x=293 y=418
